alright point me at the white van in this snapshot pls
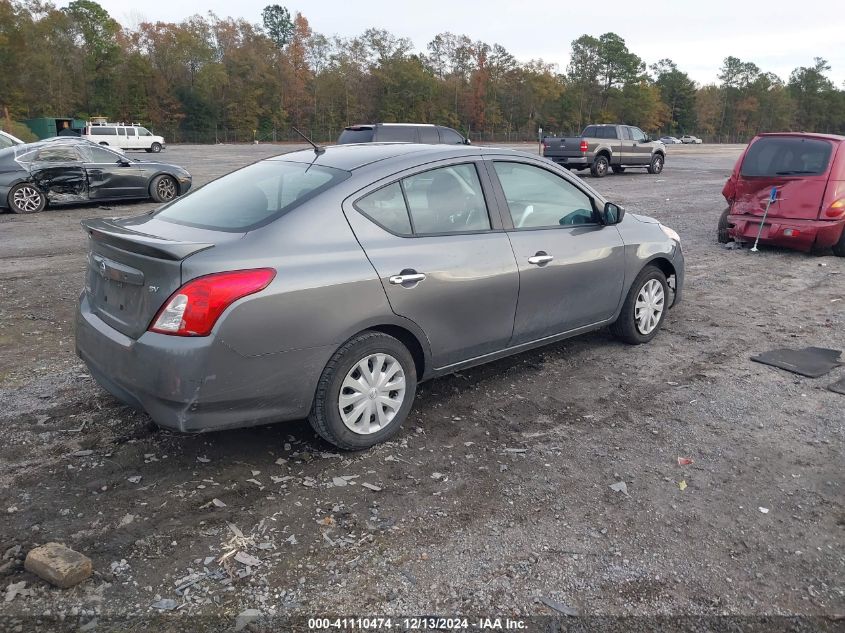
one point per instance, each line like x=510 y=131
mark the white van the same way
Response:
x=123 y=136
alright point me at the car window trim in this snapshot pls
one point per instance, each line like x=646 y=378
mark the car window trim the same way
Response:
x=507 y=219
x=488 y=192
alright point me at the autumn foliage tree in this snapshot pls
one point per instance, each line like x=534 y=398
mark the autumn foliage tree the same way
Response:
x=208 y=79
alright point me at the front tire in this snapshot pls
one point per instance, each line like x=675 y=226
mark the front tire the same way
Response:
x=656 y=165
x=644 y=308
x=163 y=188
x=26 y=198
x=155 y=148
x=599 y=167
x=365 y=392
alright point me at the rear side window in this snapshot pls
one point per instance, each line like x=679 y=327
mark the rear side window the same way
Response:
x=252 y=196
x=386 y=207
x=97 y=130
x=356 y=135
x=443 y=200
x=607 y=131
x=590 y=130
x=57 y=154
x=429 y=135
x=786 y=156
x=5 y=142
x=397 y=133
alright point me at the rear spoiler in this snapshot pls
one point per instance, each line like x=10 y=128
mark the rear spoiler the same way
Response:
x=108 y=232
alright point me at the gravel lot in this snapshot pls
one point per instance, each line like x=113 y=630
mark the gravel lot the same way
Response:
x=494 y=497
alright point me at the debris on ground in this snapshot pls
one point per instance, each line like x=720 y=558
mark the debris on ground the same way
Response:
x=685 y=461
x=682 y=484
x=763 y=510
x=811 y=362
x=246 y=617
x=165 y=604
x=58 y=565
x=559 y=607
x=620 y=486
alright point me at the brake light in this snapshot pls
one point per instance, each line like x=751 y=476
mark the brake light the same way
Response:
x=584 y=147
x=195 y=307
x=836 y=210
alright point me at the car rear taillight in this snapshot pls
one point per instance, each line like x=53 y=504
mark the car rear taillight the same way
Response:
x=195 y=307
x=584 y=146
x=836 y=210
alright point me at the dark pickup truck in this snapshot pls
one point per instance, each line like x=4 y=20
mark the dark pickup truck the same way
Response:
x=603 y=147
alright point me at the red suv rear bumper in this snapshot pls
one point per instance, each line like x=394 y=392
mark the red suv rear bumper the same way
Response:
x=798 y=234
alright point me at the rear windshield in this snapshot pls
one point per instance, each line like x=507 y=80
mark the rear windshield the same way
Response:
x=361 y=135
x=784 y=156
x=252 y=196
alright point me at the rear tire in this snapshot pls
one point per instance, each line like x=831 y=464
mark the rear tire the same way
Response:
x=648 y=293
x=656 y=164
x=26 y=198
x=155 y=148
x=723 y=231
x=618 y=169
x=599 y=167
x=164 y=188
x=374 y=425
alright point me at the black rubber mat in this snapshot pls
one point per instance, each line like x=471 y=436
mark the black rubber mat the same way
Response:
x=810 y=361
x=838 y=386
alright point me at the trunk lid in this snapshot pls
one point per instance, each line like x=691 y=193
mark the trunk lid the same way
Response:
x=135 y=264
x=796 y=167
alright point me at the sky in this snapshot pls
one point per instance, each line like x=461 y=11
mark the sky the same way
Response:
x=777 y=35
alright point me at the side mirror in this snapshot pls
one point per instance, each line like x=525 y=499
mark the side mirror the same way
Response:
x=123 y=162
x=612 y=214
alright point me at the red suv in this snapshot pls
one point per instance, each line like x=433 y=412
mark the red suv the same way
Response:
x=807 y=174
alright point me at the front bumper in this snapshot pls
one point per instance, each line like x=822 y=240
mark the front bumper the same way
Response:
x=803 y=235
x=197 y=384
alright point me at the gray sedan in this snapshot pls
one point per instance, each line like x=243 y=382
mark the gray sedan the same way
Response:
x=327 y=284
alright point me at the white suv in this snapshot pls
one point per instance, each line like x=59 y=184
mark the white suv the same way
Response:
x=123 y=136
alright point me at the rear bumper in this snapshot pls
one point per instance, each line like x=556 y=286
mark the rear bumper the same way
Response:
x=198 y=384
x=571 y=161
x=801 y=235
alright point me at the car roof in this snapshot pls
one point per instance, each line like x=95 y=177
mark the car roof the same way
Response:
x=827 y=137
x=353 y=156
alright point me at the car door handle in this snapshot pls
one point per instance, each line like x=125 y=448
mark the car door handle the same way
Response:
x=540 y=258
x=411 y=278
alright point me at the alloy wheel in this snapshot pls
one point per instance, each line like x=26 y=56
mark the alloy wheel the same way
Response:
x=372 y=393
x=166 y=189
x=27 y=199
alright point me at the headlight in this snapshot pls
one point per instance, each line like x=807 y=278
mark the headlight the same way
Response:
x=672 y=235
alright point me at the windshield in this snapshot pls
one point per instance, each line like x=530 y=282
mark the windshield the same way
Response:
x=786 y=156
x=252 y=196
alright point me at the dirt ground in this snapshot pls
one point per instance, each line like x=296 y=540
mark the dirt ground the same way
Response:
x=494 y=499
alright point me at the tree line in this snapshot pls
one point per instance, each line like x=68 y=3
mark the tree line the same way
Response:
x=208 y=79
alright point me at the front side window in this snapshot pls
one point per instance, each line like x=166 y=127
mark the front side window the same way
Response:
x=97 y=154
x=626 y=134
x=638 y=134
x=144 y=132
x=450 y=137
x=538 y=198
x=786 y=156
x=252 y=196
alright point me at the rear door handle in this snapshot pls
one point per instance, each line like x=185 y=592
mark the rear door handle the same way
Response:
x=411 y=278
x=540 y=258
